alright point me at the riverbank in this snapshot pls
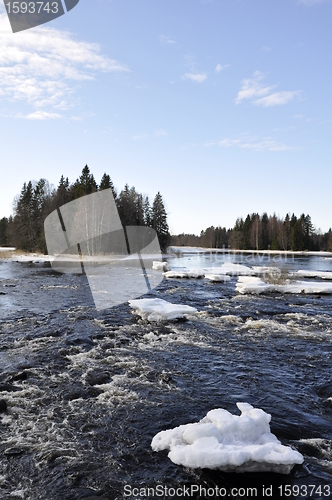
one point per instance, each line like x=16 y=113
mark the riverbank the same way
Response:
x=178 y=250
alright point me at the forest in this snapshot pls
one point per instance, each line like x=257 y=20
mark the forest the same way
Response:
x=262 y=232
x=25 y=229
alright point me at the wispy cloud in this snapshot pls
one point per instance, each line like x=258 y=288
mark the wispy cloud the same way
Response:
x=265 y=49
x=166 y=40
x=254 y=90
x=141 y=136
x=40 y=115
x=44 y=66
x=245 y=141
x=195 y=77
x=278 y=98
x=160 y=133
x=219 y=67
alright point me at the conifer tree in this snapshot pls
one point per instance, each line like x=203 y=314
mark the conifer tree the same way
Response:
x=106 y=183
x=159 y=221
x=62 y=192
x=126 y=206
x=3 y=231
x=84 y=185
x=147 y=212
x=139 y=210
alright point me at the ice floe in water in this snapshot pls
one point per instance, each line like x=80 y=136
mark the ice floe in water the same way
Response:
x=229 y=443
x=192 y=273
x=223 y=272
x=159 y=309
x=159 y=266
x=249 y=284
x=325 y=275
x=217 y=277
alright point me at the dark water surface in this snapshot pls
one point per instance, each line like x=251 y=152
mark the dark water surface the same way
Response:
x=86 y=391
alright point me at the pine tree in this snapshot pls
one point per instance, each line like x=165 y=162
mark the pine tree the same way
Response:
x=3 y=231
x=106 y=183
x=159 y=221
x=62 y=192
x=84 y=185
x=126 y=206
x=147 y=212
x=286 y=233
x=264 y=237
x=24 y=230
x=139 y=210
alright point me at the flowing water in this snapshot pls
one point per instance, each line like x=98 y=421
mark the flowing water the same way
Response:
x=86 y=391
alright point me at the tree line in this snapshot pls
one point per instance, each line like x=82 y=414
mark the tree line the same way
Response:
x=25 y=229
x=262 y=232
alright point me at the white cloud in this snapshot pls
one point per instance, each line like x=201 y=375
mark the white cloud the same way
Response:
x=219 y=67
x=255 y=91
x=265 y=49
x=166 y=40
x=277 y=98
x=196 y=77
x=246 y=141
x=43 y=66
x=40 y=115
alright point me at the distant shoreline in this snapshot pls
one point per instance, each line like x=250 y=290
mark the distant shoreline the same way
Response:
x=199 y=250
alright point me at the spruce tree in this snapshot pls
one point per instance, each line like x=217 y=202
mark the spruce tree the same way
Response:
x=3 y=231
x=84 y=185
x=62 y=192
x=106 y=183
x=159 y=221
x=147 y=212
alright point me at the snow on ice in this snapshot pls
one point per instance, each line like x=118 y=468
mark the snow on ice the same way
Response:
x=325 y=275
x=159 y=309
x=229 y=443
x=249 y=284
x=159 y=266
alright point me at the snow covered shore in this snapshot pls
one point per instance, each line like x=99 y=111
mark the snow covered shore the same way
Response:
x=199 y=250
x=12 y=255
x=229 y=443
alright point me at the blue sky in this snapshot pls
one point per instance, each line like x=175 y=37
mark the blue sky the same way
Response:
x=222 y=105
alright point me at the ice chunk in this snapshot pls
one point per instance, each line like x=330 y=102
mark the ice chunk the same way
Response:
x=192 y=273
x=195 y=273
x=217 y=277
x=325 y=275
x=159 y=309
x=236 y=269
x=176 y=274
x=159 y=266
x=228 y=442
x=247 y=284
